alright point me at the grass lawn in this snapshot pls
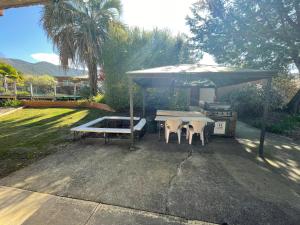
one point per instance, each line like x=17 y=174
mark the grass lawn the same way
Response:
x=30 y=134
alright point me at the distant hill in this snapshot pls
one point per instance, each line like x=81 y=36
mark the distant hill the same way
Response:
x=42 y=68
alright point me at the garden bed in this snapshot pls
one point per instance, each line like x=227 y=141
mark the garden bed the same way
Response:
x=67 y=104
x=279 y=123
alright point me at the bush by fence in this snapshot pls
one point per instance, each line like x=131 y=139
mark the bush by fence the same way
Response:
x=10 y=103
x=249 y=101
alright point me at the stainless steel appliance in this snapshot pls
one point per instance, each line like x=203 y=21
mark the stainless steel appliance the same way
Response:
x=223 y=115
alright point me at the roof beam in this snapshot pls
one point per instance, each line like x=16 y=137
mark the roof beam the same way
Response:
x=5 y=4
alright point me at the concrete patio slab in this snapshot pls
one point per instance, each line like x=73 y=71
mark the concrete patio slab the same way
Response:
x=113 y=215
x=31 y=208
x=109 y=174
x=221 y=182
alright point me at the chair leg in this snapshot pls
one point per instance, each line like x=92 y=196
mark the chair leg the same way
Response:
x=187 y=133
x=165 y=133
x=167 y=136
x=190 y=137
x=202 y=138
x=179 y=135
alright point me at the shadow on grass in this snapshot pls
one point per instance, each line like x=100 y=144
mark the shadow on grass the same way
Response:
x=21 y=135
x=13 y=122
x=23 y=142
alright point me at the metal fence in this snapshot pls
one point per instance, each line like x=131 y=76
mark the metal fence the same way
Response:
x=30 y=91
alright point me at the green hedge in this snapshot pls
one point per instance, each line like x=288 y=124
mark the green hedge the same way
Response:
x=10 y=103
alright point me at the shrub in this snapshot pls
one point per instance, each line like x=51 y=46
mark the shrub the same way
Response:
x=41 y=84
x=249 y=101
x=286 y=85
x=11 y=103
x=84 y=92
x=279 y=123
x=179 y=101
x=23 y=93
x=7 y=92
x=42 y=81
x=99 y=98
x=246 y=102
x=95 y=99
x=133 y=49
x=158 y=99
x=2 y=89
x=164 y=98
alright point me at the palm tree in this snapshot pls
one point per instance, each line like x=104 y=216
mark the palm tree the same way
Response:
x=78 y=29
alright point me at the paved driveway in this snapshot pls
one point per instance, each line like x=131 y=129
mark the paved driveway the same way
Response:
x=221 y=182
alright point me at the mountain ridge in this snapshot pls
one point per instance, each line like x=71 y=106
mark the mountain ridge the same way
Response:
x=42 y=68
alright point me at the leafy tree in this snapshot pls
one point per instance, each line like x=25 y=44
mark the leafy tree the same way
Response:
x=8 y=71
x=78 y=30
x=43 y=80
x=43 y=83
x=133 y=49
x=286 y=86
x=257 y=33
x=248 y=101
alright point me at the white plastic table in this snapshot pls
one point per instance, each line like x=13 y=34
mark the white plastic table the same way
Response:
x=179 y=113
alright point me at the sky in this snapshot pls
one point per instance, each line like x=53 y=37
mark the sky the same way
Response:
x=22 y=37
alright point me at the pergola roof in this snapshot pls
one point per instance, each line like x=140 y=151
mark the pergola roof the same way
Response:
x=197 y=74
x=5 y=4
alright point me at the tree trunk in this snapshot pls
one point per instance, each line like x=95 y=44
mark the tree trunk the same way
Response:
x=295 y=55
x=92 y=67
x=297 y=63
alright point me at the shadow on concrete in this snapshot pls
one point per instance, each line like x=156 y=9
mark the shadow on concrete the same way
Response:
x=220 y=182
x=282 y=154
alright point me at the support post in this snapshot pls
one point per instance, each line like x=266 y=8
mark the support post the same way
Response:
x=74 y=93
x=131 y=112
x=54 y=87
x=144 y=92
x=5 y=84
x=31 y=91
x=189 y=97
x=15 y=89
x=267 y=90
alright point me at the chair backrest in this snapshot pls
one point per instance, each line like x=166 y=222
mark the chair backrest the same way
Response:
x=198 y=126
x=173 y=124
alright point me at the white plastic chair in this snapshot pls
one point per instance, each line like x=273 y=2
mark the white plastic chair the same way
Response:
x=196 y=127
x=173 y=126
